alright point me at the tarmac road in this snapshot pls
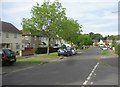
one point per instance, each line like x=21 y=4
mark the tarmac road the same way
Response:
x=87 y=68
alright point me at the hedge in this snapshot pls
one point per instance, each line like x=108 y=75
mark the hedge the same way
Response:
x=43 y=50
x=117 y=49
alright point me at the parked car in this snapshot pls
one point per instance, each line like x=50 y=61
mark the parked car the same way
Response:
x=65 y=51
x=74 y=51
x=103 y=48
x=8 y=56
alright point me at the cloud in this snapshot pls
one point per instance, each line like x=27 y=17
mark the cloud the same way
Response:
x=94 y=15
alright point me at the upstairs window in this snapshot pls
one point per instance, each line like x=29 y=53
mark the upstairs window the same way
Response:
x=7 y=35
x=15 y=35
x=26 y=38
x=0 y=34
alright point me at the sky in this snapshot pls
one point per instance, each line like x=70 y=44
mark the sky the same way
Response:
x=98 y=16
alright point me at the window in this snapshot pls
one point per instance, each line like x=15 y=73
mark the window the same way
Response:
x=7 y=35
x=0 y=34
x=35 y=37
x=17 y=46
x=26 y=38
x=15 y=35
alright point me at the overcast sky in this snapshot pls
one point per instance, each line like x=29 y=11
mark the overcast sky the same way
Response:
x=98 y=16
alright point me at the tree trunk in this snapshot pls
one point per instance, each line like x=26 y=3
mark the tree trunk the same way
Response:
x=60 y=42
x=71 y=44
x=48 y=47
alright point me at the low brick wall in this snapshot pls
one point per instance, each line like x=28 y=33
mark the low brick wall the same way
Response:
x=27 y=52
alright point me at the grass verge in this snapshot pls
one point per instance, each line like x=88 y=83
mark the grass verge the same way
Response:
x=51 y=55
x=105 y=53
x=38 y=58
x=29 y=61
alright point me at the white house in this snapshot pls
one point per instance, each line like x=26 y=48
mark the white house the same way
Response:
x=11 y=37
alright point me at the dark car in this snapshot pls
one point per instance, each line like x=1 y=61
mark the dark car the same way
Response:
x=8 y=56
x=65 y=51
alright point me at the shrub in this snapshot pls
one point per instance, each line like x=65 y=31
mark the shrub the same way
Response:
x=117 y=49
x=43 y=50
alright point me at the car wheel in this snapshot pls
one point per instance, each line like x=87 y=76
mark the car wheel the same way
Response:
x=67 y=54
x=59 y=55
x=5 y=63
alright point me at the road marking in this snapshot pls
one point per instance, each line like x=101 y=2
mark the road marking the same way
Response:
x=3 y=73
x=88 y=78
x=23 y=69
x=91 y=83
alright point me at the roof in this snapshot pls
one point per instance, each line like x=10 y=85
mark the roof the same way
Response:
x=8 y=27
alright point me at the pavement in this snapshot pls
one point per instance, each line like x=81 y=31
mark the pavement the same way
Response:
x=87 y=68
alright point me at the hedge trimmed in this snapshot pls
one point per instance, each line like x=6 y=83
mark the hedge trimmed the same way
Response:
x=43 y=50
x=117 y=49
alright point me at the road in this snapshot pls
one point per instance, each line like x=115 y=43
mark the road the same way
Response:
x=87 y=68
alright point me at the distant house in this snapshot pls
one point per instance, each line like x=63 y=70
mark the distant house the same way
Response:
x=30 y=40
x=11 y=37
x=101 y=42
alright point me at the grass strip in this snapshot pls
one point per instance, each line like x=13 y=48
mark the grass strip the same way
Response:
x=105 y=53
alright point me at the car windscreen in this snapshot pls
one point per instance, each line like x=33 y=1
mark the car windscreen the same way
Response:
x=1 y=52
x=6 y=51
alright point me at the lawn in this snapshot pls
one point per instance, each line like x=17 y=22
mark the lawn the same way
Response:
x=38 y=58
x=51 y=55
x=106 y=53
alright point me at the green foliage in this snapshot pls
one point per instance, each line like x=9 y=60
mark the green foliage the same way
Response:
x=45 y=19
x=84 y=39
x=69 y=30
x=112 y=37
x=105 y=53
x=117 y=49
x=43 y=50
x=95 y=36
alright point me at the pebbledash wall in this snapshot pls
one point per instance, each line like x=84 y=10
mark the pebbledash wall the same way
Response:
x=13 y=41
x=11 y=37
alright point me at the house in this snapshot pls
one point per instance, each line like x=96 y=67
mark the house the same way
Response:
x=10 y=36
x=101 y=42
x=30 y=40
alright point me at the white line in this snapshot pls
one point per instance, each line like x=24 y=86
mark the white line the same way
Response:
x=91 y=83
x=88 y=78
x=85 y=82
x=22 y=69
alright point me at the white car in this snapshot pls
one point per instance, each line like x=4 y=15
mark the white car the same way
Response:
x=74 y=51
x=104 y=48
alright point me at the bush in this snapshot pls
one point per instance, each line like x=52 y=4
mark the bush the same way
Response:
x=117 y=49
x=43 y=50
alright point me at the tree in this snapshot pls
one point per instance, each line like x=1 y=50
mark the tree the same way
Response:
x=69 y=30
x=45 y=19
x=97 y=37
x=84 y=39
x=91 y=34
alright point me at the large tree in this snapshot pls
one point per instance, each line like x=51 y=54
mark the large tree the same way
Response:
x=96 y=36
x=69 y=30
x=45 y=19
x=84 y=39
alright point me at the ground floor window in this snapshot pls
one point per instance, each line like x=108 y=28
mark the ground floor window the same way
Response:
x=17 y=46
